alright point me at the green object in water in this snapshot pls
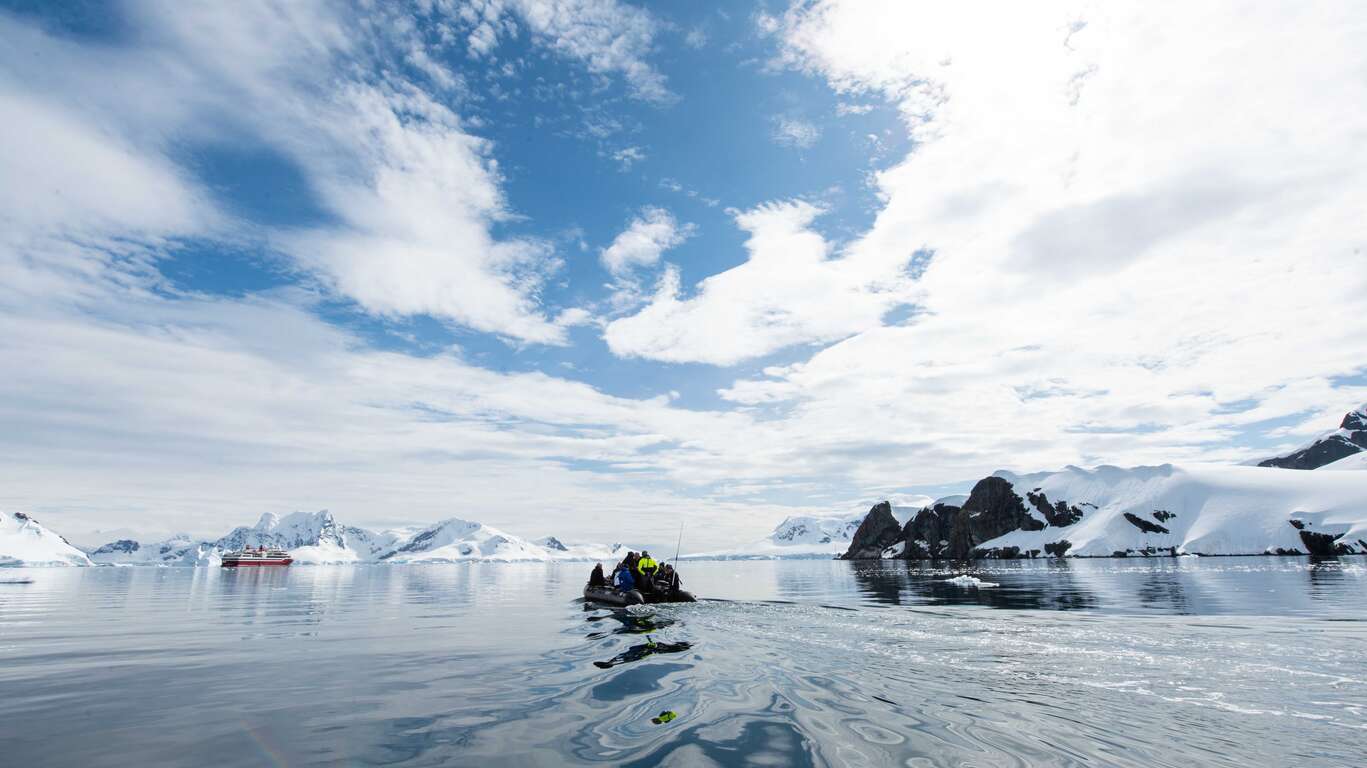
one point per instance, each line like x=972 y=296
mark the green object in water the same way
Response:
x=663 y=717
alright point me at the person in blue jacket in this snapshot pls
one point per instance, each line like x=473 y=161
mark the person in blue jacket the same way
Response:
x=624 y=580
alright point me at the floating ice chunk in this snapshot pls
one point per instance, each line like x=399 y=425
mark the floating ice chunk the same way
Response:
x=969 y=582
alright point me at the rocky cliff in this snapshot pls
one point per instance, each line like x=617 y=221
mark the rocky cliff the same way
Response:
x=879 y=531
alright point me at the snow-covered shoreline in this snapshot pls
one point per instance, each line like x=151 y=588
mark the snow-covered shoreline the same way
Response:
x=315 y=538
x=1310 y=502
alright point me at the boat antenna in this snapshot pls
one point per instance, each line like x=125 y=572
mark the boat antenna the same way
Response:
x=679 y=544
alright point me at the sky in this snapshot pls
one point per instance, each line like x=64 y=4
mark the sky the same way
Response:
x=591 y=268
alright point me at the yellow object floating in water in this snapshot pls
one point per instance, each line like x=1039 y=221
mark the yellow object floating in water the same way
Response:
x=663 y=717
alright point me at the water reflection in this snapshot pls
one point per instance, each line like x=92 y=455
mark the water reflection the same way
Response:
x=495 y=665
x=748 y=742
x=626 y=621
x=1053 y=587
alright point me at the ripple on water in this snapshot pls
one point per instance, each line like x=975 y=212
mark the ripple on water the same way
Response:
x=488 y=666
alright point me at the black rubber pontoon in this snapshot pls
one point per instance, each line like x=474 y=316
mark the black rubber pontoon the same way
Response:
x=613 y=596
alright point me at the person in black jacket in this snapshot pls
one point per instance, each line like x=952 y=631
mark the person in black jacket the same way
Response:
x=596 y=578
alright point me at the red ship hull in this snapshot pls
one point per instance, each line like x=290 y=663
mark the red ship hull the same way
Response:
x=246 y=563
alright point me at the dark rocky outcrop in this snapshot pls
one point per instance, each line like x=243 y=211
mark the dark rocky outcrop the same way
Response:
x=1316 y=543
x=1350 y=438
x=1324 y=544
x=879 y=531
x=1059 y=514
x=122 y=545
x=1145 y=525
x=1162 y=515
x=1058 y=548
x=993 y=509
x=927 y=533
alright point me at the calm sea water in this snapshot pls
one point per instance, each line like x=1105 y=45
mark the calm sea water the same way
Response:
x=1221 y=661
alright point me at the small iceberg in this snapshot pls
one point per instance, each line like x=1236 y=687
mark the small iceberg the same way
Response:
x=969 y=582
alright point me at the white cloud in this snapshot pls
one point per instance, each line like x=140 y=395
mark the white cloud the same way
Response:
x=628 y=157
x=793 y=132
x=1134 y=226
x=606 y=36
x=788 y=292
x=645 y=238
x=845 y=108
x=696 y=38
x=413 y=196
x=199 y=414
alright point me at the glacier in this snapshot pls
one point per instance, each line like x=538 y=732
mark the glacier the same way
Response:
x=25 y=542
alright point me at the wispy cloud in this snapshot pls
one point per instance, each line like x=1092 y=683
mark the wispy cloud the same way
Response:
x=608 y=37
x=627 y=157
x=796 y=133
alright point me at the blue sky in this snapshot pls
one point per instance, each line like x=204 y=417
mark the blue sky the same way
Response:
x=550 y=264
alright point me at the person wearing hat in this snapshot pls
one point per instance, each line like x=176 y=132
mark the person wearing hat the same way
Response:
x=647 y=568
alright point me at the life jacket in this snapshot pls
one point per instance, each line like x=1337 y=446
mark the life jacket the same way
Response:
x=647 y=566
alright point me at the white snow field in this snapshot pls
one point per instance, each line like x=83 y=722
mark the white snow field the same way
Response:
x=456 y=540
x=24 y=541
x=1356 y=461
x=1201 y=509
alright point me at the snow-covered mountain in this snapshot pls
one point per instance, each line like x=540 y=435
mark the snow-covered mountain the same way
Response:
x=180 y=549
x=800 y=537
x=457 y=540
x=313 y=537
x=806 y=537
x=24 y=541
x=1111 y=511
x=318 y=538
x=1329 y=448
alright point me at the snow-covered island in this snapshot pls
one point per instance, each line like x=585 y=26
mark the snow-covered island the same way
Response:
x=1312 y=501
x=311 y=538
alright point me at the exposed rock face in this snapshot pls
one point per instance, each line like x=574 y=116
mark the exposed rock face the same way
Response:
x=1323 y=544
x=879 y=531
x=1317 y=543
x=1058 y=548
x=1144 y=525
x=122 y=545
x=1348 y=439
x=1058 y=515
x=993 y=509
x=927 y=533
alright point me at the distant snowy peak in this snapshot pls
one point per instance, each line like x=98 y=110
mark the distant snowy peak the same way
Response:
x=798 y=537
x=318 y=538
x=180 y=549
x=300 y=529
x=25 y=542
x=815 y=530
x=1349 y=439
x=456 y=540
